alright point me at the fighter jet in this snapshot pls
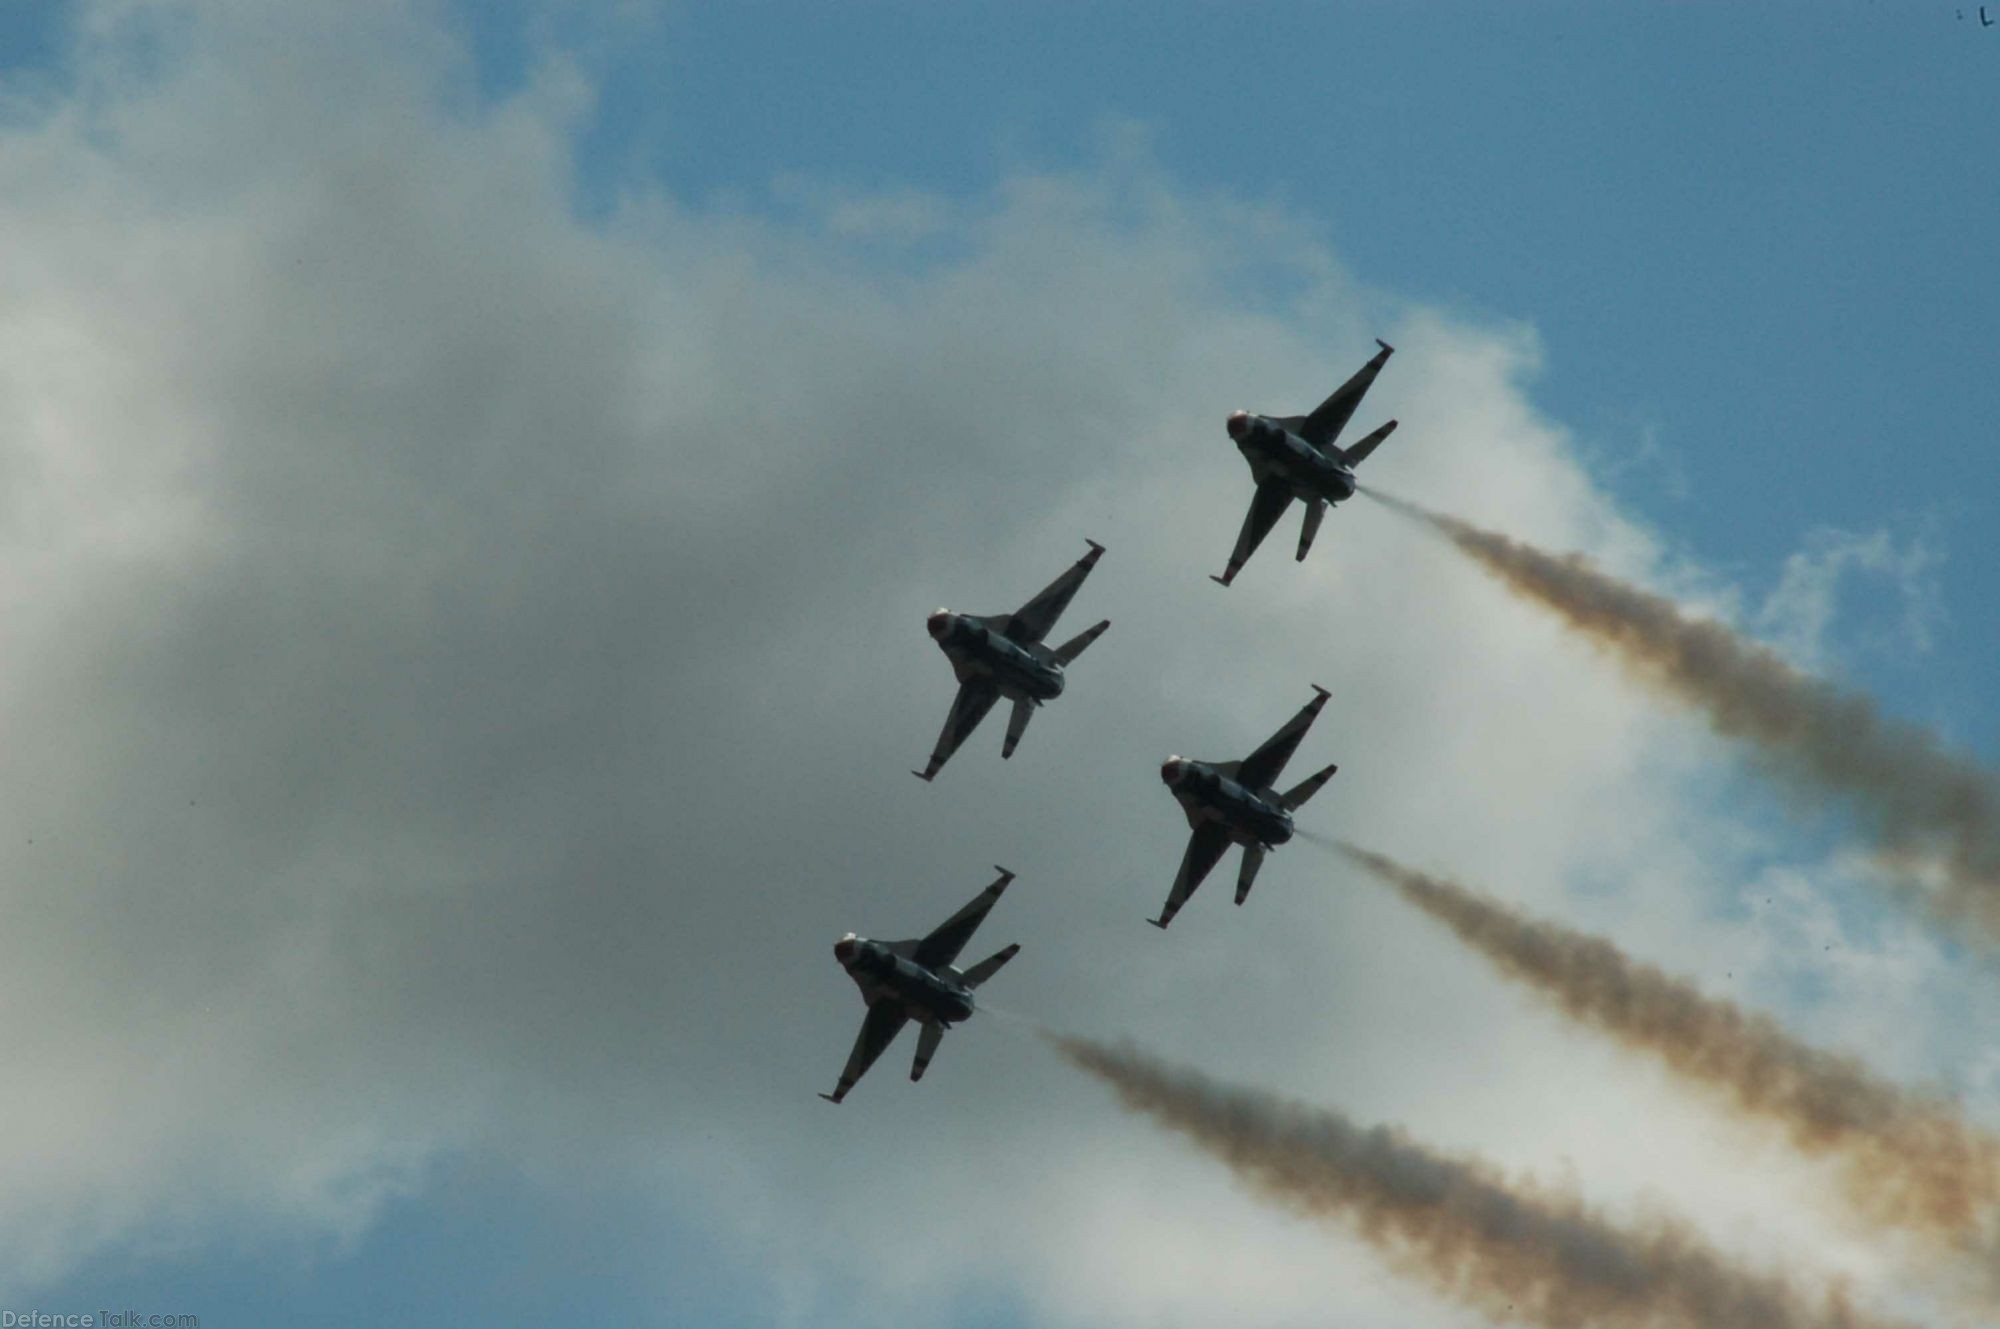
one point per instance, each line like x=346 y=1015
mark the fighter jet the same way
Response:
x=1002 y=656
x=914 y=980
x=1234 y=801
x=1293 y=456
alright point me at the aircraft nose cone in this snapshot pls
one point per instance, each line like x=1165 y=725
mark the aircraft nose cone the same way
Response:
x=843 y=950
x=1172 y=770
x=937 y=623
x=1238 y=422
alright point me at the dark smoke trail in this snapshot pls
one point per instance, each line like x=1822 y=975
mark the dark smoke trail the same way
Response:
x=1928 y=808
x=1512 y=1250
x=1908 y=1160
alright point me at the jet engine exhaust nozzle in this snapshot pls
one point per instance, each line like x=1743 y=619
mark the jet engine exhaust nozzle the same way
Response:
x=1239 y=421
x=939 y=623
x=1173 y=771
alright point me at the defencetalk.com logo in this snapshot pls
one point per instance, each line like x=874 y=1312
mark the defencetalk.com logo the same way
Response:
x=96 y=1320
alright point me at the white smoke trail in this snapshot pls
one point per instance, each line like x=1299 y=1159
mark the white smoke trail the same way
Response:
x=1934 y=814
x=1908 y=1160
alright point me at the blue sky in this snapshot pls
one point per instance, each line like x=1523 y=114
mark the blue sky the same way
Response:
x=1755 y=246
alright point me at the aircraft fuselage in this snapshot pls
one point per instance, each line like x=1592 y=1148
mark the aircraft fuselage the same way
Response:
x=1276 y=452
x=1206 y=794
x=925 y=994
x=977 y=651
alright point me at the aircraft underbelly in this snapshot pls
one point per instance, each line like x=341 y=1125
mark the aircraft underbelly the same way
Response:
x=1336 y=488
x=1307 y=479
x=933 y=1007
x=1310 y=482
x=1244 y=825
x=1012 y=681
x=1241 y=829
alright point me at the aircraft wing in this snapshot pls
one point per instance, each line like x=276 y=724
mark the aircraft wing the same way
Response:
x=944 y=943
x=1262 y=767
x=1331 y=416
x=1032 y=621
x=1204 y=850
x=968 y=708
x=885 y=1020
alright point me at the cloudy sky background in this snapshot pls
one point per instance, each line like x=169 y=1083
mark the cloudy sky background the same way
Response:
x=474 y=478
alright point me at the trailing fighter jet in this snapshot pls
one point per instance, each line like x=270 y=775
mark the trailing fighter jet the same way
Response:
x=914 y=980
x=1002 y=656
x=1293 y=456
x=1234 y=800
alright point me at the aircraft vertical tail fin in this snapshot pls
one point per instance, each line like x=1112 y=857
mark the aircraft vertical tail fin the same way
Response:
x=1074 y=647
x=1295 y=798
x=990 y=966
x=1359 y=452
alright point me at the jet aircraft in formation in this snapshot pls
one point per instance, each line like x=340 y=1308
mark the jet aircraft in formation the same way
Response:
x=1294 y=456
x=1233 y=801
x=1002 y=656
x=914 y=980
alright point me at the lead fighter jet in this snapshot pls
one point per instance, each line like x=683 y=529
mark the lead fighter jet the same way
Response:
x=1293 y=456
x=1234 y=801
x=1002 y=656
x=913 y=980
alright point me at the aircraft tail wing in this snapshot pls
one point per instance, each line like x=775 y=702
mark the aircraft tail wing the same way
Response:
x=1246 y=876
x=1295 y=797
x=1017 y=725
x=990 y=966
x=1315 y=510
x=928 y=1039
x=1069 y=650
x=1359 y=452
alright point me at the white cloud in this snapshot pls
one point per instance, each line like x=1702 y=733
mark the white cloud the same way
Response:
x=1800 y=609
x=462 y=665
